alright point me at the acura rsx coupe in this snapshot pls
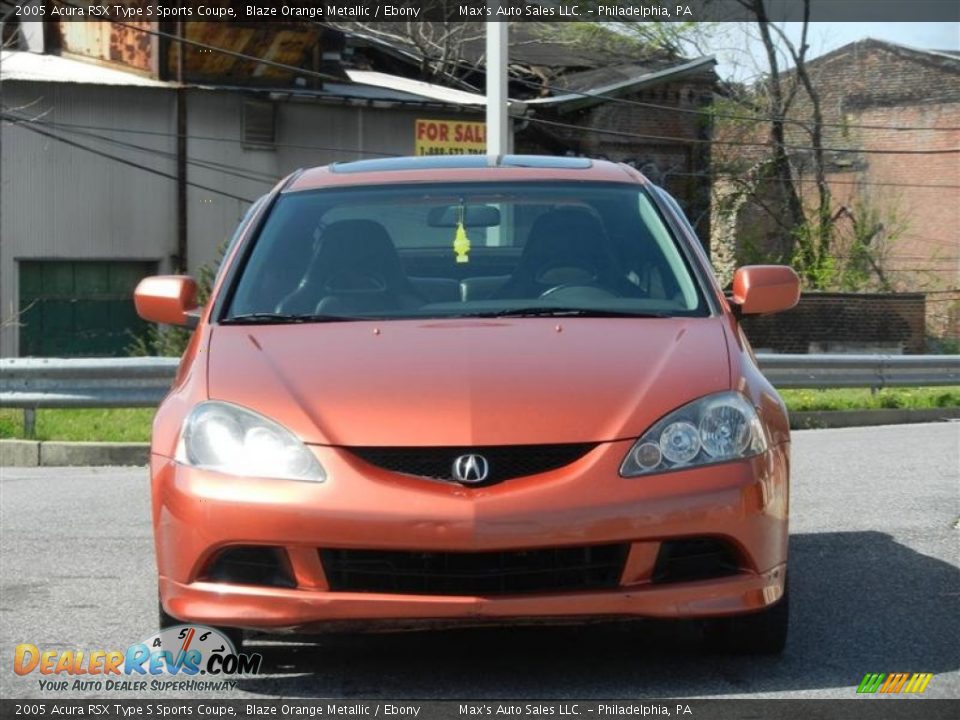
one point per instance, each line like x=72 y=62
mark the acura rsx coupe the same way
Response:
x=451 y=391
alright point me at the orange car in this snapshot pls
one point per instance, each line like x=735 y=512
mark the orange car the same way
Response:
x=460 y=390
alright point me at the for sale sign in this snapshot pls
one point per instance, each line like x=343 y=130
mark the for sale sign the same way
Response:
x=450 y=137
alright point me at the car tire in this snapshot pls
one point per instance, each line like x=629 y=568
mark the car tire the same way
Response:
x=167 y=620
x=759 y=633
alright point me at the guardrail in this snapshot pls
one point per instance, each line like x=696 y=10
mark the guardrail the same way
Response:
x=32 y=383
x=859 y=371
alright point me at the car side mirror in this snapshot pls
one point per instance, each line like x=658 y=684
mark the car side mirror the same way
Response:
x=168 y=299
x=761 y=289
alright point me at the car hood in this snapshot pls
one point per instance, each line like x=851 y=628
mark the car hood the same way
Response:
x=469 y=383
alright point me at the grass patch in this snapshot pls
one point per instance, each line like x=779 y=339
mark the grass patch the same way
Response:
x=103 y=425
x=133 y=424
x=863 y=399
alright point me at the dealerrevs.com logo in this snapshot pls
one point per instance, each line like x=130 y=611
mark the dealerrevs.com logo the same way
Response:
x=170 y=660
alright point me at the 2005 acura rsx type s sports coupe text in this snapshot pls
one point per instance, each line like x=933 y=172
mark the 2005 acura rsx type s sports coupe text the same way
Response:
x=464 y=390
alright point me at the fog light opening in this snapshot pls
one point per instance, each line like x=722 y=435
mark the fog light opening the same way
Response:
x=251 y=565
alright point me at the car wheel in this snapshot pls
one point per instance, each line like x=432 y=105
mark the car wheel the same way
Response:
x=167 y=620
x=760 y=633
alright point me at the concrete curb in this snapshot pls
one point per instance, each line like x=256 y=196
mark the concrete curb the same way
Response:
x=30 y=453
x=866 y=418
x=19 y=453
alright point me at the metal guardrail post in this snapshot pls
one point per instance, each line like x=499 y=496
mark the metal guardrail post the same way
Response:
x=29 y=422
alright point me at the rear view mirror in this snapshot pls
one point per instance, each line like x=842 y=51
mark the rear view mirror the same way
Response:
x=760 y=289
x=473 y=216
x=168 y=299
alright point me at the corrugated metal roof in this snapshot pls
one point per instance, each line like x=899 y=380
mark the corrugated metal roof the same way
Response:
x=416 y=87
x=367 y=84
x=586 y=96
x=531 y=43
x=28 y=66
x=19 y=65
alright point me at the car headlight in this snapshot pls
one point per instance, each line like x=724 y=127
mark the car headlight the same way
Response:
x=230 y=439
x=713 y=429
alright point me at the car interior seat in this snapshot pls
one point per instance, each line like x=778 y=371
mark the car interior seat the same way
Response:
x=356 y=270
x=566 y=246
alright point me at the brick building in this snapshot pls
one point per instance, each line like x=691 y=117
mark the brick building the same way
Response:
x=899 y=108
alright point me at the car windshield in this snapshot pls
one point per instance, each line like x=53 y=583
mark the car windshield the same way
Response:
x=458 y=250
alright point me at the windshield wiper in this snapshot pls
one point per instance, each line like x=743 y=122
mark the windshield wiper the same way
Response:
x=271 y=318
x=554 y=311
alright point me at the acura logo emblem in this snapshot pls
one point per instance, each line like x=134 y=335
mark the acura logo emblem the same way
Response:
x=471 y=469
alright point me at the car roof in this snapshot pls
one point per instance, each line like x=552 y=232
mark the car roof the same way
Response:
x=463 y=168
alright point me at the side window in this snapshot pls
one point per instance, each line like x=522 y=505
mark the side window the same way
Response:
x=281 y=256
x=675 y=206
x=687 y=294
x=238 y=233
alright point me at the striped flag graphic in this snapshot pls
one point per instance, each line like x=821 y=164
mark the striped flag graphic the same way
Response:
x=894 y=683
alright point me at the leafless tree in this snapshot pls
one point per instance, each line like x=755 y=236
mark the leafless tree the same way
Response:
x=436 y=43
x=774 y=99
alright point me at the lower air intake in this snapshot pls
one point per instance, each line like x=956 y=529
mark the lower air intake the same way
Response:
x=593 y=567
x=251 y=566
x=695 y=559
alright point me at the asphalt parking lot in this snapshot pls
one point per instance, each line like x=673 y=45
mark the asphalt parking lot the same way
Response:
x=875 y=576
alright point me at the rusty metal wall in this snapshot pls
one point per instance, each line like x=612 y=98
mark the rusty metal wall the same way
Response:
x=281 y=43
x=121 y=45
x=130 y=48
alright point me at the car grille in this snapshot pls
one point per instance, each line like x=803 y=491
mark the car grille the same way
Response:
x=505 y=461
x=594 y=567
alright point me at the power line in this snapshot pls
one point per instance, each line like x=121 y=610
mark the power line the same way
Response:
x=215 y=138
x=728 y=116
x=638 y=103
x=243 y=173
x=245 y=56
x=830 y=181
x=69 y=127
x=735 y=143
x=895 y=256
x=123 y=161
x=224 y=168
x=47 y=133
x=672 y=108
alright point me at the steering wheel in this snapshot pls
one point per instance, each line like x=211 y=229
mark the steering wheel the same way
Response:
x=583 y=292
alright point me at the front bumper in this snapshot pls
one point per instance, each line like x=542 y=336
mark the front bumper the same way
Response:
x=196 y=514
